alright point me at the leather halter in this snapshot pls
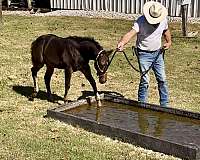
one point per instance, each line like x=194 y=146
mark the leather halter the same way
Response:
x=101 y=70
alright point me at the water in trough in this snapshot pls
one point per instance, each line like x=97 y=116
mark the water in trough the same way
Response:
x=162 y=125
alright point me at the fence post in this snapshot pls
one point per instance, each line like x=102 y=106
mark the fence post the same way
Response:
x=119 y=6
x=58 y=4
x=133 y=4
x=111 y=5
x=137 y=4
x=123 y=6
x=94 y=5
x=184 y=14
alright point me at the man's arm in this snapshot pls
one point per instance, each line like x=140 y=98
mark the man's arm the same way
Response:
x=168 y=40
x=125 y=39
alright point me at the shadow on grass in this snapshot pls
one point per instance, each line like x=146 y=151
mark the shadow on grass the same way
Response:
x=27 y=91
x=91 y=93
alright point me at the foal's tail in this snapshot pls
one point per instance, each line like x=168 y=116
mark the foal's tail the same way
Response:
x=37 y=49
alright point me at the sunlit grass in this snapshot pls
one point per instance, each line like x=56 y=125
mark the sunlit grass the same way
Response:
x=25 y=134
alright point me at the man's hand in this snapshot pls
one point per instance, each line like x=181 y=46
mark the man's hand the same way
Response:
x=120 y=46
x=167 y=45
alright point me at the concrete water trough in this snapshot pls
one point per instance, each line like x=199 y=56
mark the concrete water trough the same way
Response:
x=168 y=130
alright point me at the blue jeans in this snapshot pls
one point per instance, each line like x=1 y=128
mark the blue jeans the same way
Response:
x=145 y=60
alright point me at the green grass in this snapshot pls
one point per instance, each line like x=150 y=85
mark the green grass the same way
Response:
x=25 y=134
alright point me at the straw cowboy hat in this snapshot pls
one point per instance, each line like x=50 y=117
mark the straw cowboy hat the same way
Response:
x=154 y=12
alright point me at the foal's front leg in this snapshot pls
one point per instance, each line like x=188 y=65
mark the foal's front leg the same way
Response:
x=87 y=72
x=68 y=74
x=47 y=79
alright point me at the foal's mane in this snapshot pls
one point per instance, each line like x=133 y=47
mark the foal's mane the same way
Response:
x=90 y=39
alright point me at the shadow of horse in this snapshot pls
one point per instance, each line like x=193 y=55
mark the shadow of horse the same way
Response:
x=27 y=92
x=42 y=95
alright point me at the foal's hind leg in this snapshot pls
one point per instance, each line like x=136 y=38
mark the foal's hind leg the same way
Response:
x=34 y=71
x=47 y=79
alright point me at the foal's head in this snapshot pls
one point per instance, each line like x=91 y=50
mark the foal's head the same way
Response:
x=101 y=65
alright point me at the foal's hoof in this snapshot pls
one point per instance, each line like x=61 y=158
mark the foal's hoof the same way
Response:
x=31 y=98
x=99 y=104
x=60 y=102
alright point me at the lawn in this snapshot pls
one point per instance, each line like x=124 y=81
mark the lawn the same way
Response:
x=26 y=134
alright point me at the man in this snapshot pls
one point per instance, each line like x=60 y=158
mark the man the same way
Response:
x=149 y=28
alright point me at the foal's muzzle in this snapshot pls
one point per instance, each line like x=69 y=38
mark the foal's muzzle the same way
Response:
x=102 y=78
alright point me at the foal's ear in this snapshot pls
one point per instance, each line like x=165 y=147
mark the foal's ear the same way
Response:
x=109 y=52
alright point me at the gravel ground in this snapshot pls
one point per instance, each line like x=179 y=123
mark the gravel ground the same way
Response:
x=89 y=13
x=83 y=13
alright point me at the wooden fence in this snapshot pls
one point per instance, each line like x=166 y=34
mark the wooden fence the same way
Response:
x=124 y=6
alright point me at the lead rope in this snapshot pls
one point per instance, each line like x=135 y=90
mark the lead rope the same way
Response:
x=125 y=57
x=162 y=50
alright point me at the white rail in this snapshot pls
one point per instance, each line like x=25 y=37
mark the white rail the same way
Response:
x=124 y=6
